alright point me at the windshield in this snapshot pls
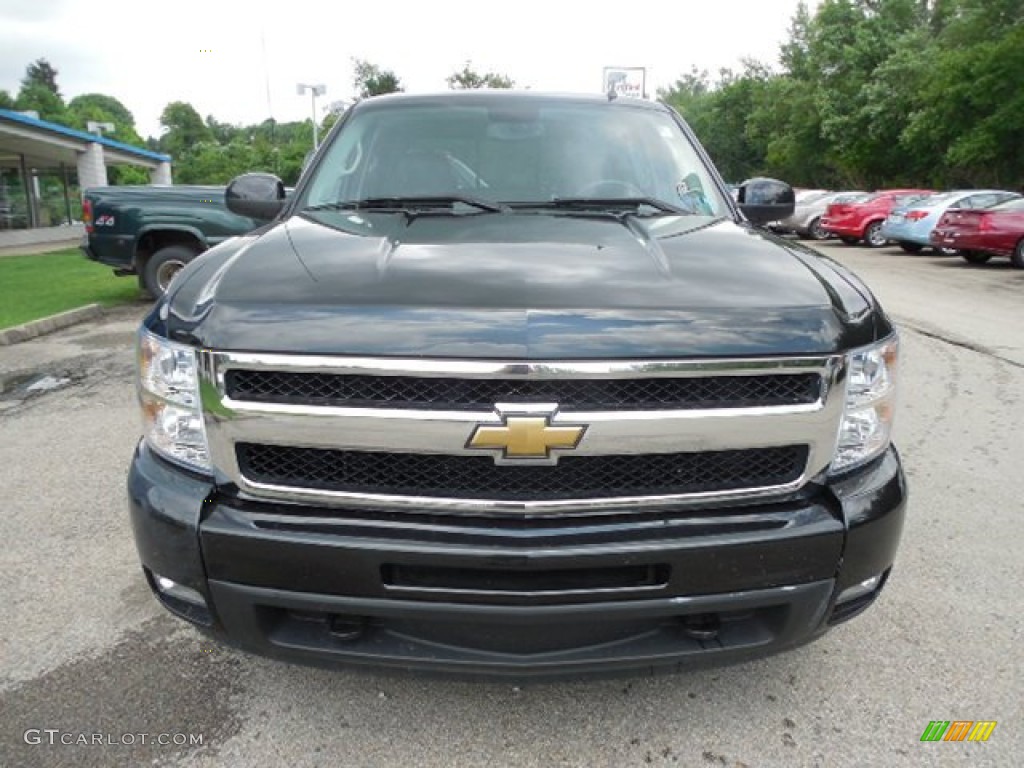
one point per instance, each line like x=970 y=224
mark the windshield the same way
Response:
x=525 y=152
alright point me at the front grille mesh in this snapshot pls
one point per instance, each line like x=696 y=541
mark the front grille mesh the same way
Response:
x=478 y=477
x=373 y=391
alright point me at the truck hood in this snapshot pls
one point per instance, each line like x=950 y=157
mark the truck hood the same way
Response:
x=519 y=285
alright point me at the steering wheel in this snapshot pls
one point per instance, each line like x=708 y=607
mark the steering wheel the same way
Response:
x=611 y=188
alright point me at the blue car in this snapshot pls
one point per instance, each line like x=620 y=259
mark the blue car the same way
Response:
x=911 y=226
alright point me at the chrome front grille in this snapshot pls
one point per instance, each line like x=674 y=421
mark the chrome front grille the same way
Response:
x=387 y=433
x=447 y=393
x=477 y=477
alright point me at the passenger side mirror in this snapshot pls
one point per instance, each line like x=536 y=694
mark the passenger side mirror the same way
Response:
x=764 y=200
x=255 y=195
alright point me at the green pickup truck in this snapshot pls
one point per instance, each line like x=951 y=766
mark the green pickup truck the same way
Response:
x=154 y=231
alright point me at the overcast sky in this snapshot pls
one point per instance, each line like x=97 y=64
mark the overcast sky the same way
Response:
x=240 y=60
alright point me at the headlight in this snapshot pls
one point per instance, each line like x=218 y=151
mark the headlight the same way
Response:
x=866 y=428
x=172 y=418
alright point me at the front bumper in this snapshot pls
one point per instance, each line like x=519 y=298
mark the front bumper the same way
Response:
x=516 y=597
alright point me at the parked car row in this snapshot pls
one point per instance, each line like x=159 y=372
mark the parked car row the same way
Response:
x=976 y=224
x=911 y=226
x=811 y=205
x=861 y=219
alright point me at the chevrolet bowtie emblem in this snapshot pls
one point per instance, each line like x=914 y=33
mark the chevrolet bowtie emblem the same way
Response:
x=526 y=436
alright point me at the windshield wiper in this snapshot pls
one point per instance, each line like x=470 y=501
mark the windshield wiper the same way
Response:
x=403 y=204
x=605 y=204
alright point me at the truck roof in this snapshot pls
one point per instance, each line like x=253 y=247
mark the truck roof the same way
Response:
x=484 y=96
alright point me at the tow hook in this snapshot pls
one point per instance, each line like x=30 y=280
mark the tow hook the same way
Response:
x=702 y=626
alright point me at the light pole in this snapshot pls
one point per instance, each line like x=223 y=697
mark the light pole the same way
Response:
x=316 y=90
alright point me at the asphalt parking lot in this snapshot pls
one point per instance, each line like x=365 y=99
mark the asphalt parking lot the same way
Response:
x=86 y=650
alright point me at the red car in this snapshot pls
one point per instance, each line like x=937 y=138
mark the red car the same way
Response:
x=861 y=218
x=983 y=233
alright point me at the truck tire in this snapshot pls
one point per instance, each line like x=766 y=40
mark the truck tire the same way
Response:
x=1018 y=255
x=163 y=265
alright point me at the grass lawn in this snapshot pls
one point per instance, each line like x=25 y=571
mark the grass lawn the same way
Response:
x=44 y=284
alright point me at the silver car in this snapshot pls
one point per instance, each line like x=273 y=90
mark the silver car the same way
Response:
x=810 y=206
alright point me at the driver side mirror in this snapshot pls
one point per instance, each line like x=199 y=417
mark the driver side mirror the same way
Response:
x=255 y=195
x=763 y=200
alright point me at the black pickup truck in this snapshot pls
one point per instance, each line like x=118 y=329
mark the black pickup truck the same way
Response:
x=154 y=231
x=511 y=385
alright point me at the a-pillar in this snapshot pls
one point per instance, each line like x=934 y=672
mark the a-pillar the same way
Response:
x=92 y=168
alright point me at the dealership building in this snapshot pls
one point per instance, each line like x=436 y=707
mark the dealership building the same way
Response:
x=43 y=168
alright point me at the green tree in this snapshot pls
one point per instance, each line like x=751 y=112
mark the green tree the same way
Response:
x=874 y=93
x=371 y=80
x=786 y=123
x=328 y=122
x=184 y=128
x=38 y=98
x=469 y=78
x=101 y=103
x=101 y=108
x=223 y=133
x=126 y=175
x=719 y=114
x=222 y=151
x=39 y=92
x=971 y=110
x=212 y=163
x=688 y=91
x=795 y=52
x=40 y=72
x=850 y=41
x=6 y=100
